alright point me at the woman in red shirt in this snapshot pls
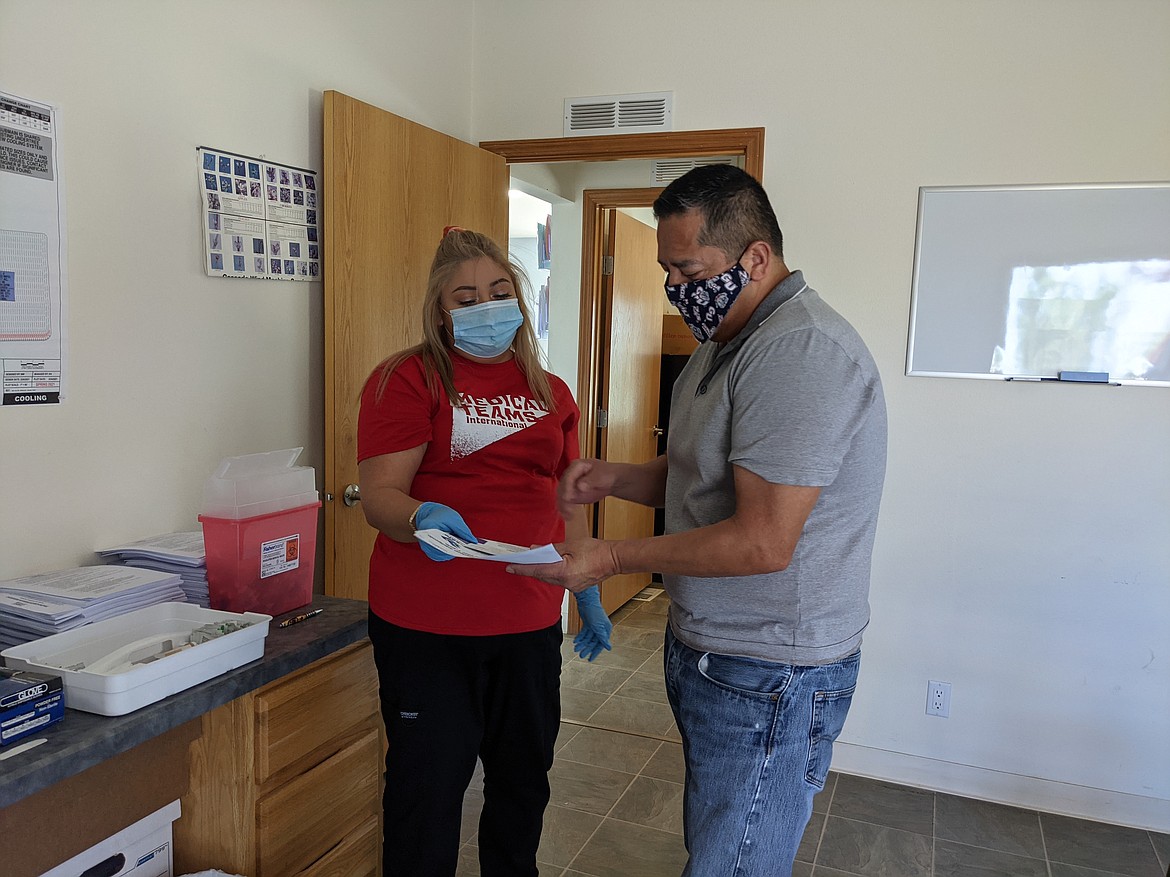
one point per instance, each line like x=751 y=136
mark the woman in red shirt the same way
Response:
x=468 y=434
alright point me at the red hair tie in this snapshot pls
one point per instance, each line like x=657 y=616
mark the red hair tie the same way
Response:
x=451 y=228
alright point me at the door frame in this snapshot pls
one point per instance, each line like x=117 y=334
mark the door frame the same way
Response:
x=745 y=143
x=592 y=343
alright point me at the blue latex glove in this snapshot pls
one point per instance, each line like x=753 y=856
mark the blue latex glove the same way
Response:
x=436 y=516
x=595 y=625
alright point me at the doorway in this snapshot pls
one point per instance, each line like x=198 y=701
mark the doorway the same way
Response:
x=745 y=146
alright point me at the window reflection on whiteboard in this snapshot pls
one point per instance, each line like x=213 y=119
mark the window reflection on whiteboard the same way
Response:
x=1109 y=317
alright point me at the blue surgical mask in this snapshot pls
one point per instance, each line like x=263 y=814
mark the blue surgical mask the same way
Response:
x=704 y=303
x=486 y=330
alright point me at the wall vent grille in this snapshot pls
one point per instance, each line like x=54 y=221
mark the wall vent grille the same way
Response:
x=667 y=170
x=618 y=114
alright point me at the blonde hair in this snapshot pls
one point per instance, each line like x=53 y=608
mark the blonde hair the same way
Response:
x=458 y=246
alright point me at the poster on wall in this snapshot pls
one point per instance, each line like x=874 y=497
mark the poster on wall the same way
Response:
x=542 y=312
x=544 y=243
x=32 y=254
x=259 y=219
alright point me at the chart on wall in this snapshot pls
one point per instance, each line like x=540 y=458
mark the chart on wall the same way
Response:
x=260 y=219
x=32 y=254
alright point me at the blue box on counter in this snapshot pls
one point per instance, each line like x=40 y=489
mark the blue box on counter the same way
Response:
x=29 y=702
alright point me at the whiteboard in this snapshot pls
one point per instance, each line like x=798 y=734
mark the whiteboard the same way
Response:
x=1031 y=281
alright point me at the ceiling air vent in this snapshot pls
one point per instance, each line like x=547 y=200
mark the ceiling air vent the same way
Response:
x=618 y=114
x=666 y=170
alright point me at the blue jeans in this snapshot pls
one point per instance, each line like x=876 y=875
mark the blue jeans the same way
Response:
x=757 y=739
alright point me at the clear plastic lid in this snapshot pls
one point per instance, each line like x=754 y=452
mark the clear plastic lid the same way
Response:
x=258 y=483
x=249 y=465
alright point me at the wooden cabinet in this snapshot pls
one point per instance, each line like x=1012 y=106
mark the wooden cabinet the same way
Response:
x=286 y=780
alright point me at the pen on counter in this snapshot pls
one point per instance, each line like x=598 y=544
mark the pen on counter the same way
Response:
x=299 y=618
x=22 y=747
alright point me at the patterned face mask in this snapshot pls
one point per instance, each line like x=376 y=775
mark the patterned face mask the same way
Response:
x=704 y=303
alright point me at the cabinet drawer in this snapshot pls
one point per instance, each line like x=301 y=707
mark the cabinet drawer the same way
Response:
x=356 y=856
x=302 y=821
x=296 y=716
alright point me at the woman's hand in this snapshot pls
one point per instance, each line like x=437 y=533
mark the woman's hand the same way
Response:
x=595 y=625
x=436 y=516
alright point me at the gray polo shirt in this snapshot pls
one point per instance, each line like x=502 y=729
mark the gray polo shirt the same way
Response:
x=796 y=399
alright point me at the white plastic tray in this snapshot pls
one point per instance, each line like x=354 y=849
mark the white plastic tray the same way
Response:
x=118 y=693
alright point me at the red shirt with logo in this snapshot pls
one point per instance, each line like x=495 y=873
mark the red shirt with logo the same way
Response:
x=495 y=459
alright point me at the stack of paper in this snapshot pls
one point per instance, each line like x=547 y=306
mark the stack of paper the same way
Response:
x=35 y=606
x=179 y=553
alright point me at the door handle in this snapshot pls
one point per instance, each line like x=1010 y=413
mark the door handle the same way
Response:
x=658 y=431
x=352 y=495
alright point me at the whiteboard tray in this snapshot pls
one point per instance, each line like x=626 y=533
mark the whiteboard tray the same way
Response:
x=115 y=694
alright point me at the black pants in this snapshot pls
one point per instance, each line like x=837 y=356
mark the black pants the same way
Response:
x=445 y=700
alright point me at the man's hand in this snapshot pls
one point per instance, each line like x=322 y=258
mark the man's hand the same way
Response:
x=584 y=482
x=585 y=562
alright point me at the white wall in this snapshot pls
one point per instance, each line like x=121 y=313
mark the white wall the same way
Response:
x=1024 y=545
x=170 y=370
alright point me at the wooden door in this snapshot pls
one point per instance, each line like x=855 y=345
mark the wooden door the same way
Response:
x=391 y=186
x=630 y=382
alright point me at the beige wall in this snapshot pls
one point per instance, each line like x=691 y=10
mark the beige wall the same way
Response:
x=1022 y=552
x=169 y=370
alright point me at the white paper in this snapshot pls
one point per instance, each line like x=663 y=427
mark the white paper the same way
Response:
x=180 y=554
x=488 y=550
x=86 y=583
x=179 y=548
x=40 y=605
x=32 y=254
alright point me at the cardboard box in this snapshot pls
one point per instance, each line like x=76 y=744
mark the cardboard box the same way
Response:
x=142 y=850
x=677 y=339
x=29 y=702
x=147 y=778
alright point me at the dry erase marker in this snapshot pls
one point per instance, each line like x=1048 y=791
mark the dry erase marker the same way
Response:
x=298 y=619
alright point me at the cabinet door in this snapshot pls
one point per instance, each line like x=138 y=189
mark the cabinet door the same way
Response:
x=303 y=821
x=312 y=712
x=357 y=856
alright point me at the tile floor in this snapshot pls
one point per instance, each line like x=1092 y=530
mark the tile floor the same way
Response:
x=616 y=808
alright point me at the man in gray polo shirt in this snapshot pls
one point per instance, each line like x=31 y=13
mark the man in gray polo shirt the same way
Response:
x=771 y=484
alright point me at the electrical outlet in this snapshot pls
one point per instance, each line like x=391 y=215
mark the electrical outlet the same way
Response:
x=938 y=699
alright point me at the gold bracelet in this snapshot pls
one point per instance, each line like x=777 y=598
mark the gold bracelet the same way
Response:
x=413 y=515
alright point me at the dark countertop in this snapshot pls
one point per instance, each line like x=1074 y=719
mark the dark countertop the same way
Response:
x=82 y=739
